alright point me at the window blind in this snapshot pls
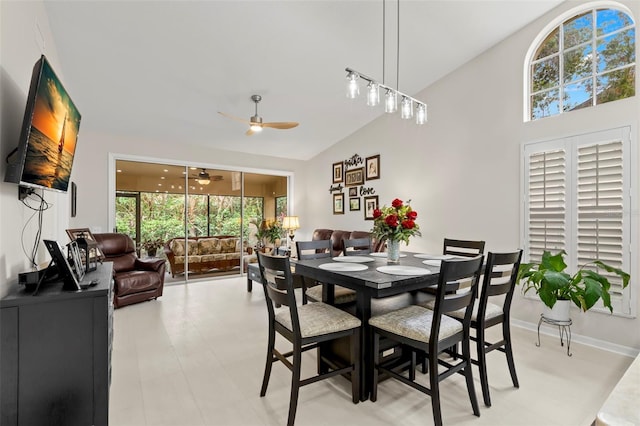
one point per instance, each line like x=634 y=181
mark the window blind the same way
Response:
x=600 y=206
x=546 y=207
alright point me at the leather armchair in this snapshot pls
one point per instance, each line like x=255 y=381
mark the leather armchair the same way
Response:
x=135 y=280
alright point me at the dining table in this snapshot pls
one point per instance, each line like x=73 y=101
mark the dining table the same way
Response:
x=371 y=278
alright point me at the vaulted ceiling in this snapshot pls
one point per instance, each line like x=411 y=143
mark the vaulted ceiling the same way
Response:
x=162 y=70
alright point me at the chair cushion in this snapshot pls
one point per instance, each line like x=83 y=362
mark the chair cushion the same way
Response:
x=318 y=318
x=228 y=245
x=136 y=281
x=493 y=311
x=414 y=322
x=341 y=294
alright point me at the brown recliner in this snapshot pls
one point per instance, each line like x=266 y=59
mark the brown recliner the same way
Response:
x=135 y=280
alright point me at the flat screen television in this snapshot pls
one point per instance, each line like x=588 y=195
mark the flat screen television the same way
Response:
x=47 y=145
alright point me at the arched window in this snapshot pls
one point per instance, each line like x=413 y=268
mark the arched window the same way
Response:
x=585 y=60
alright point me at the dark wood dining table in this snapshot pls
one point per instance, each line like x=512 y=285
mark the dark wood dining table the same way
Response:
x=369 y=284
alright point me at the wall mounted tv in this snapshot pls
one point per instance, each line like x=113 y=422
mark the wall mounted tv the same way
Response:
x=47 y=145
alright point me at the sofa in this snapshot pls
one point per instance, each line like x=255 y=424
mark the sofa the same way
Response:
x=336 y=237
x=135 y=280
x=205 y=253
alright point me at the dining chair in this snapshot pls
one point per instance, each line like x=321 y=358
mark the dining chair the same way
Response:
x=464 y=248
x=306 y=327
x=432 y=332
x=356 y=246
x=314 y=291
x=500 y=276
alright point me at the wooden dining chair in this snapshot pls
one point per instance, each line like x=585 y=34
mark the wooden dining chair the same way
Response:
x=356 y=246
x=500 y=276
x=464 y=248
x=432 y=332
x=315 y=291
x=306 y=327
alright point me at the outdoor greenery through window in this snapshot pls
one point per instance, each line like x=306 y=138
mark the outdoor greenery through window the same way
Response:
x=162 y=215
x=587 y=60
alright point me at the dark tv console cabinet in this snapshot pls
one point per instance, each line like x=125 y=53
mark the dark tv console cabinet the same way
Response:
x=55 y=353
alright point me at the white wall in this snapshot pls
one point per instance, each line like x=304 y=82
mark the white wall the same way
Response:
x=462 y=169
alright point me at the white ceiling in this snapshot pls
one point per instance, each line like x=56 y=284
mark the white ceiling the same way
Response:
x=161 y=70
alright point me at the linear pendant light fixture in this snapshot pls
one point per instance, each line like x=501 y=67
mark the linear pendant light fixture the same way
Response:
x=391 y=94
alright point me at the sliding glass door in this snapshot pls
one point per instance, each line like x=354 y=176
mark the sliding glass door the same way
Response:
x=204 y=222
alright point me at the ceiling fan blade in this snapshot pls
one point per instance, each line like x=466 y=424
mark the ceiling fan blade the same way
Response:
x=249 y=132
x=234 y=118
x=281 y=125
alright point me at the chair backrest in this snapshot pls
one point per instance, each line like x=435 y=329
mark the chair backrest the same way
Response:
x=500 y=276
x=465 y=248
x=277 y=282
x=356 y=246
x=318 y=249
x=119 y=249
x=450 y=296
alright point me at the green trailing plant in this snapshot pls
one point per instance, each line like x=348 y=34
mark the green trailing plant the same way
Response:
x=550 y=281
x=270 y=230
x=152 y=245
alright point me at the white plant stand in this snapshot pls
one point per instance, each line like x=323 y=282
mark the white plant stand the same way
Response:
x=564 y=328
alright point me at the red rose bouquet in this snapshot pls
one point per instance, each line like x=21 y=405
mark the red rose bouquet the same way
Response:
x=395 y=223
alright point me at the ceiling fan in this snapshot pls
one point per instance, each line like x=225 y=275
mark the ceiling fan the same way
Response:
x=255 y=122
x=203 y=178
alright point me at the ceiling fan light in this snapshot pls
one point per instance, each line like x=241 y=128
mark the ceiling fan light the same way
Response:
x=255 y=127
x=203 y=181
x=353 y=90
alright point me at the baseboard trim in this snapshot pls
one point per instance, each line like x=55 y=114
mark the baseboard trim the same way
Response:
x=577 y=338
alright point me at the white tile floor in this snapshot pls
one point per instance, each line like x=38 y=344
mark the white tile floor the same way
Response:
x=196 y=357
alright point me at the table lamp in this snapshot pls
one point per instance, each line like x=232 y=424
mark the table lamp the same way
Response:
x=291 y=223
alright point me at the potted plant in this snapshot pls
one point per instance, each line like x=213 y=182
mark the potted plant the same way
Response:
x=270 y=230
x=552 y=284
x=151 y=246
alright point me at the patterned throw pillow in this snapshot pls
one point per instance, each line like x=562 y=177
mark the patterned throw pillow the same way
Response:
x=209 y=246
x=228 y=245
x=177 y=247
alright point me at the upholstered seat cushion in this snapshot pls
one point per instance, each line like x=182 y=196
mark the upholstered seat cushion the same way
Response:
x=493 y=311
x=341 y=294
x=414 y=322
x=318 y=318
x=138 y=281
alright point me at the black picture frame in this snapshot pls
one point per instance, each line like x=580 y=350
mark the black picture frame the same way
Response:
x=354 y=177
x=372 y=167
x=70 y=282
x=354 y=204
x=353 y=192
x=338 y=203
x=74 y=194
x=370 y=204
x=338 y=172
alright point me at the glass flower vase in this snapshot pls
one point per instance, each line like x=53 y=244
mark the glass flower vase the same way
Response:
x=393 y=252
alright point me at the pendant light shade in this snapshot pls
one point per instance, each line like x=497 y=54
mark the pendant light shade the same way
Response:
x=390 y=101
x=421 y=114
x=406 y=108
x=353 y=89
x=373 y=94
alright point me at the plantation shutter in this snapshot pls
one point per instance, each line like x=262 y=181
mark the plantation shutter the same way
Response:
x=576 y=192
x=546 y=202
x=600 y=207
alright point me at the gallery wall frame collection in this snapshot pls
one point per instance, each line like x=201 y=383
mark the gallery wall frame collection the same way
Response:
x=352 y=174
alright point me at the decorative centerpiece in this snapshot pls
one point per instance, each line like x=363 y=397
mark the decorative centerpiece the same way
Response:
x=394 y=224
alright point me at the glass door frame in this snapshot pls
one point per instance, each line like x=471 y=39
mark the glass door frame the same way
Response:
x=113 y=157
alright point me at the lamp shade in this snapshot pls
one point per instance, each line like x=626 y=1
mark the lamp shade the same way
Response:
x=290 y=222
